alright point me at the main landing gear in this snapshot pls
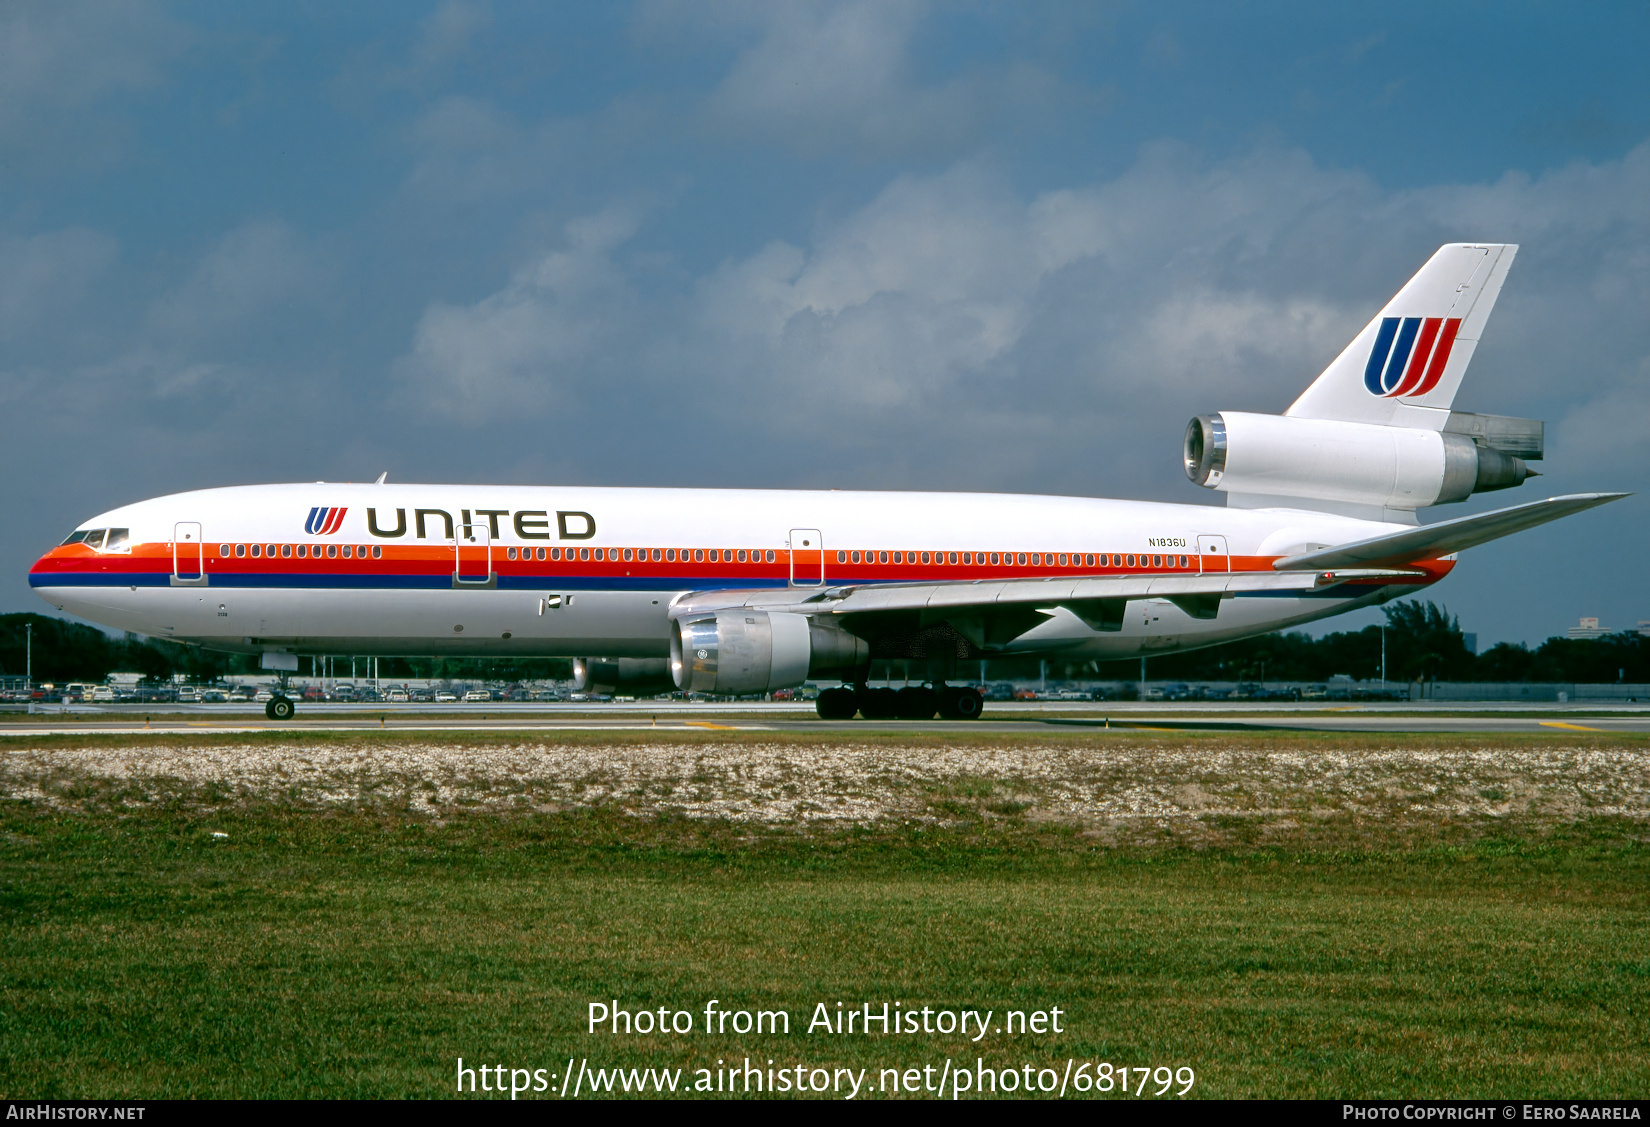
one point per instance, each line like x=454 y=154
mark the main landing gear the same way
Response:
x=914 y=702
x=280 y=706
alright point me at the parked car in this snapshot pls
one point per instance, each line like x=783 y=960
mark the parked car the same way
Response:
x=442 y=696
x=398 y=696
x=474 y=696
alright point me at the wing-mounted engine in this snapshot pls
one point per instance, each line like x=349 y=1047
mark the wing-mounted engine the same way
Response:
x=621 y=675
x=746 y=650
x=1276 y=458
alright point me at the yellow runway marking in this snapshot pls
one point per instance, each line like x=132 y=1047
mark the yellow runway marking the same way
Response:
x=708 y=724
x=1571 y=727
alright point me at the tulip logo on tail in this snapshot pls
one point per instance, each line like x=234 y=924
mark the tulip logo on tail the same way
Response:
x=324 y=521
x=1409 y=355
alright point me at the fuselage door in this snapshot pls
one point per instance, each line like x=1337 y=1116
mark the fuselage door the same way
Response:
x=1212 y=555
x=473 y=556
x=188 y=561
x=807 y=558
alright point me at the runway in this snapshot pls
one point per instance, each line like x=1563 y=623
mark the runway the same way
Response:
x=1019 y=717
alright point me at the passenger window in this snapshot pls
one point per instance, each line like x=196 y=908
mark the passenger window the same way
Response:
x=1089 y=560
x=953 y=557
x=256 y=551
x=509 y=553
x=347 y=552
x=842 y=557
x=302 y=551
x=744 y=558
x=968 y=557
x=538 y=553
x=286 y=551
x=698 y=555
x=223 y=551
x=1022 y=559
x=1062 y=559
x=770 y=555
x=854 y=556
x=269 y=550
x=555 y=553
x=240 y=550
x=1184 y=562
x=1157 y=561
x=94 y=539
x=378 y=550
x=656 y=555
x=1036 y=559
x=925 y=557
x=117 y=539
x=332 y=551
x=670 y=555
x=584 y=553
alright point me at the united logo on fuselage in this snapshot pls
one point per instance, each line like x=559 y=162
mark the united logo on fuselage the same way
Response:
x=1409 y=355
x=325 y=521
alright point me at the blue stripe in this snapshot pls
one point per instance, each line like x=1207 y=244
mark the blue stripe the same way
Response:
x=1377 y=355
x=441 y=582
x=1400 y=354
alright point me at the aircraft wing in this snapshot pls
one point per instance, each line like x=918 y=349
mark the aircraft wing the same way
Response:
x=992 y=612
x=1447 y=536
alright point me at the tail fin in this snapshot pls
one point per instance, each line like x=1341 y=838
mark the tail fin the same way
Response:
x=1404 y=368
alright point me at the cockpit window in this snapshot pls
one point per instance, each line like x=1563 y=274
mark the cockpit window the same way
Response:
x=75 y=538
x=117 y=539
x=94 y=539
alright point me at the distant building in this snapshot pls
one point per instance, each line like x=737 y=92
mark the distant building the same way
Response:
x=1644 y=627
x=1589 y=628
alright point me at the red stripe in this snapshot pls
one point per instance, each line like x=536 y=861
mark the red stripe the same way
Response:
x=1418 y=358
x=1440 y=356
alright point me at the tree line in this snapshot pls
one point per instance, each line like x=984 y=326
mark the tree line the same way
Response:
x=1423 y=642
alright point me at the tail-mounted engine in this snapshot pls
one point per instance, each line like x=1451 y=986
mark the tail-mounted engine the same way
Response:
x=1280 y=456
x=755 y=651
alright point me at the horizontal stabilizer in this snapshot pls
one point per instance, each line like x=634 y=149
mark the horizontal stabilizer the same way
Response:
x=1434 y=540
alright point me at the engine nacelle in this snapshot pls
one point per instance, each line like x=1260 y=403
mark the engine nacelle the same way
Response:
x=621 y=674
x=1349 y=463
x=744 y=650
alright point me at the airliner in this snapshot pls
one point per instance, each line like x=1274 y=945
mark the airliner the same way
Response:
x=743 y=591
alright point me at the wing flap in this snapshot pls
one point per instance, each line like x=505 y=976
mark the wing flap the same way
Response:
x=1101 y=597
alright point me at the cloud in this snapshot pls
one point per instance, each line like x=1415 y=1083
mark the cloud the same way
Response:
x=44 y=277
x=518 y=351
x=446 y=32
x=58 y=60
x=839 y=77
x=258 y=268
x=951 y=309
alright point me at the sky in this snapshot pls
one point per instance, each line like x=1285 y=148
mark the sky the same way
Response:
x=884 y=245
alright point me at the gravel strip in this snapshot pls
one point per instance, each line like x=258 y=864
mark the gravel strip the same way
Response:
x=1095 y=787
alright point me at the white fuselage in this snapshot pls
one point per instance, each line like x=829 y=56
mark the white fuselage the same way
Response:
x=458 y=569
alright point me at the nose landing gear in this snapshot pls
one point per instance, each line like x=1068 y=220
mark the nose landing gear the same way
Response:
x=280 y=706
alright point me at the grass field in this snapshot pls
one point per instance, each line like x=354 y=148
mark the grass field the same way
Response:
x=1311 y=916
